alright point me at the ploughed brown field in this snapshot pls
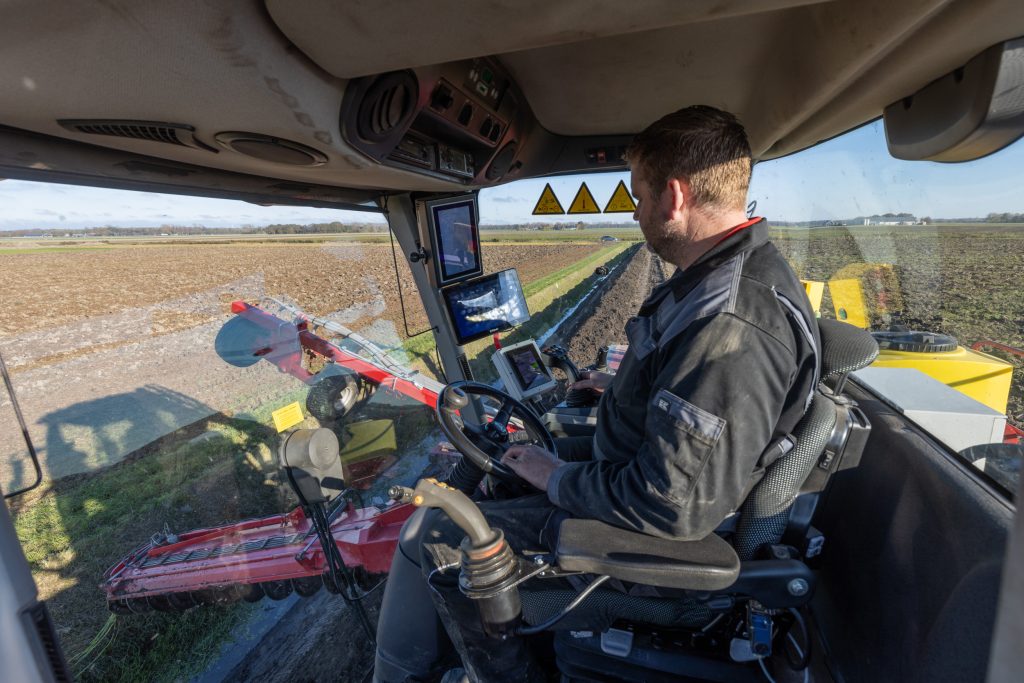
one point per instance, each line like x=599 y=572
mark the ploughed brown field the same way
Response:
x=44 y=288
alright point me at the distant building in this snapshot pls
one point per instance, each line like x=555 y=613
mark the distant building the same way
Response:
x=892 y=219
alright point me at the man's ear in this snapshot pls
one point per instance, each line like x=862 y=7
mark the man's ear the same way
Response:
x=676 y=198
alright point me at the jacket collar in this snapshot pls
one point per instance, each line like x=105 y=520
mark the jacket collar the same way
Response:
x=743 y=237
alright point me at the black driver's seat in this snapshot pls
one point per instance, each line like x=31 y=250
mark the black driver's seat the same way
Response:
x=715 y=578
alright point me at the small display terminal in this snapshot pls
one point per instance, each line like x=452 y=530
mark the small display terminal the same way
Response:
x=455 y=237
x=523 y=371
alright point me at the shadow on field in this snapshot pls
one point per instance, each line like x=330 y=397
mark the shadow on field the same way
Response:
x=214 y=470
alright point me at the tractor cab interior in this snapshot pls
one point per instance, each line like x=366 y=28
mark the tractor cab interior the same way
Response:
x=208 y=420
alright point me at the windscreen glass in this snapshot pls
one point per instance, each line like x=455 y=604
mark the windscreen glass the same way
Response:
x=160 y=347
x=458 y=241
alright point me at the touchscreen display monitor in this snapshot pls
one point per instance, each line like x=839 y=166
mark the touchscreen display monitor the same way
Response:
x=528 y=367
x=486 y=305
x=456 y=239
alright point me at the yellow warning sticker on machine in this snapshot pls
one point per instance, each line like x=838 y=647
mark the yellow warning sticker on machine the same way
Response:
x=286 y=417
x=548 y=203
x=584 y=202
x=621 y=201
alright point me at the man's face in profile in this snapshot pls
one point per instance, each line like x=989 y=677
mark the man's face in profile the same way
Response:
x=656 y=230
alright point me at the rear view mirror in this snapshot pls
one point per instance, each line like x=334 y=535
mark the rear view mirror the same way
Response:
x=969 y=113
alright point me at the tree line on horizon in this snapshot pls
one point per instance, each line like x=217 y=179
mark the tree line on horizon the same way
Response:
x=337 y=227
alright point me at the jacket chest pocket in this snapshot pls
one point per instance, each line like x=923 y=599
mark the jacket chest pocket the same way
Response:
x=684 y=436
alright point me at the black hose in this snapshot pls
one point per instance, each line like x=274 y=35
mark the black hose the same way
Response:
x=584 y=594
x=464 y=476
x=805 y=659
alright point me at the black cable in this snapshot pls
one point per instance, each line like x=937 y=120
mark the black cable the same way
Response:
x=398 y=279
x=440 y=366
x=338 y=572
x=584 y=594
x=805 y=659
x=24 y=433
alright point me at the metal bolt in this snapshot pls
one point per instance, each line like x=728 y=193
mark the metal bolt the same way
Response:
x=538 y=559
x=798 y=587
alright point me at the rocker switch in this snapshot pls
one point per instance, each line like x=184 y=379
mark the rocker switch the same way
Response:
x=616 y=642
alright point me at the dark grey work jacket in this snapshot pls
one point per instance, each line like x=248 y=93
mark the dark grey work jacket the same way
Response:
x=720 y=368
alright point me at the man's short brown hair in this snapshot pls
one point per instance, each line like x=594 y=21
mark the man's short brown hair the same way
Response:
x=705 y=146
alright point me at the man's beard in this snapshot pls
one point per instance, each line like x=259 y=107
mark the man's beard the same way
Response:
x=665 y=244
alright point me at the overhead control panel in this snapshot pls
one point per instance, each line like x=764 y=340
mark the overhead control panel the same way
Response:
x=462 y=121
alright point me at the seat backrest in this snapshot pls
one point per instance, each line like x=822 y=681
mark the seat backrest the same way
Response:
x=764 y=515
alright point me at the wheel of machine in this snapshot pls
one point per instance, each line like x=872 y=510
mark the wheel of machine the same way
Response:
x=277 y=590
x=308 y=586
x=334 y=397
x=129 y=606
x=182 y=601
x=219 y=595
x=160 y=603
x=252 y=592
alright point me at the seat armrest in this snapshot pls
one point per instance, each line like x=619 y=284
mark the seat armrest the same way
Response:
x=593 y=547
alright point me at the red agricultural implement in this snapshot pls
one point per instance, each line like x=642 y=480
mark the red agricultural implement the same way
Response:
x=281 y=554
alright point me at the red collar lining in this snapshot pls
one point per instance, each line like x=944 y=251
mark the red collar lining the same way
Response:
x=736 y=229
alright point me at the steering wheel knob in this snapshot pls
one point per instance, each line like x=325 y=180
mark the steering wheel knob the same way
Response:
x=455 y=399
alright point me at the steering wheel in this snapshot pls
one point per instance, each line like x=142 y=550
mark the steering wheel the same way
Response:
x=485 y=443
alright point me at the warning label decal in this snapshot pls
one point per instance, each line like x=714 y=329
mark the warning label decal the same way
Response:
x=621 y=201
x=286 y=417
x=548 y=203
x=584 y=202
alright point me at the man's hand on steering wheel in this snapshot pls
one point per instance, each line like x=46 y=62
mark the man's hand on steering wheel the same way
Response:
x=532 y=463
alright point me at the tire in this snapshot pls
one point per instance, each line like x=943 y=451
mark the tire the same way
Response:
x=334 y=397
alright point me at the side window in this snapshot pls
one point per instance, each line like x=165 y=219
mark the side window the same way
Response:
x=156 y=368
x=928 y=257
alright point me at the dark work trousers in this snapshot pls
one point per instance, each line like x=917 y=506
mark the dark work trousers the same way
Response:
x=530 y=525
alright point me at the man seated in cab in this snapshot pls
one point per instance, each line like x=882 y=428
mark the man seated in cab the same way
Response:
x=720 y=368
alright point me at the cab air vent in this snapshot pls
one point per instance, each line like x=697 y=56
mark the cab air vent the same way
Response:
x=387 y=107
x=154 y=131
x=502 y=162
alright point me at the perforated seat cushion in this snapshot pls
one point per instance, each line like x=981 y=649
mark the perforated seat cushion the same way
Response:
x=765 y=513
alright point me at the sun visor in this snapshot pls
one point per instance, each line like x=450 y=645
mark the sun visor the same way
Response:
x=969 y=113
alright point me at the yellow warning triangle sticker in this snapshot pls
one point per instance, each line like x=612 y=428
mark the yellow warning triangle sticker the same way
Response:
x=548 y=202
x=584 y=202
x=621 y=201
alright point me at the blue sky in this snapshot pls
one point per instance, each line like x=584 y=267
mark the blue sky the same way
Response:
x=848 y=176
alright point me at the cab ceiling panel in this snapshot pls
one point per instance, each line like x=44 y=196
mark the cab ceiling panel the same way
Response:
x=441 y=95
x=351 y=39
x=208 y=83
x=795 y=72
